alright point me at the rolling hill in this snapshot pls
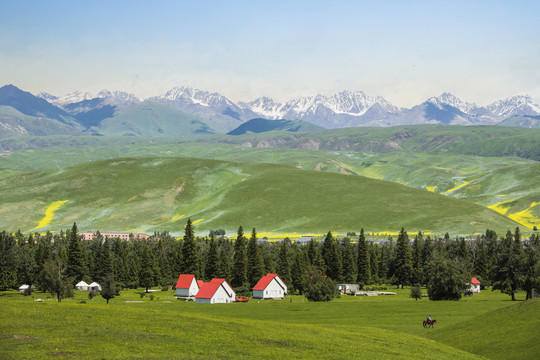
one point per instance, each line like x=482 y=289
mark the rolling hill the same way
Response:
x=263 y=125
x=149 y=194
x=522 y=121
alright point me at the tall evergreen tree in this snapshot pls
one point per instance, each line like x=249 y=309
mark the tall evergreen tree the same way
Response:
x=211 y=269
x=349 y=266
x=283 y=268
x=106 y=261
x=403 y=265
x=255 y=266
x=418 y=271
x=332 y=258
x=298 y=272
x=146 y=275
x=54 y=279
x=239 y=271
x=312 y=251
x=8 y=264
x=531 y=267
x=509 y=269
x=364 y=271
x=75 y=263
x=190 y=255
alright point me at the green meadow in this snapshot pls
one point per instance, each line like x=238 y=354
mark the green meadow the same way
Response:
x=156 y=194
x=486 y=325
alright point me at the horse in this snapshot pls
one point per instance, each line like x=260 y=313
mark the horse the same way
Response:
x=429 y=323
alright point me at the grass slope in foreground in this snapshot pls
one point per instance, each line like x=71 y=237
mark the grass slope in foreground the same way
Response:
x=147 y=194
x=488 y=334
x=135 y=328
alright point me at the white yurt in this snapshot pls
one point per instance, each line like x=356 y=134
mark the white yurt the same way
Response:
x=94 y=287
x=81 y=285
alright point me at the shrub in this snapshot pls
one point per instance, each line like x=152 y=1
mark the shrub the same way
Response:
x=151 y=296
x=416 y=292
x=319 y=287
x=92 y=294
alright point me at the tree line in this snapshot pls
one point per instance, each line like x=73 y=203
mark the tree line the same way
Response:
x=55 y=262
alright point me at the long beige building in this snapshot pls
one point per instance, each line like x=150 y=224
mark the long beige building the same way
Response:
x=89 y=235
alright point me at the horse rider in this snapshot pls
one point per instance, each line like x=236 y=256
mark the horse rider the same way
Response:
x=429 y=319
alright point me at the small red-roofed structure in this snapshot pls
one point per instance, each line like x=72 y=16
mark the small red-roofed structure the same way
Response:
x=187 y=285
x=475 y=285
x=270 y=287
x=215 y=292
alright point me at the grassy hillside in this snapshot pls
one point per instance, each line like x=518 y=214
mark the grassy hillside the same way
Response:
x=156 y=193
x=522 y=121
x=508 y=185
x=351 y=327
x=265 y=125
x=13 y=122
x=151 y=119
x=488 y=334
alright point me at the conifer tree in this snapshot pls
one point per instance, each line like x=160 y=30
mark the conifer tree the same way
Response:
x=268 y=263
x=255 y=267
x=418 y=271
x=312 y=251
x=283 y=268
x=332 y=258
x=54 y=279
x=403 y=265
x=349 y=263
x=106 y=261
x=108 y=288
x=146 y=275
x=75 y=264
x=190 y=255
x=374 y=258
x=8 y=264
x=239 y=271
x=211 y=269
x=509 y=269
x=298 y=272
x=364 y=271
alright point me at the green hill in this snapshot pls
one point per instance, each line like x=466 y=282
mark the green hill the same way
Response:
x=265 y=125
x=13 y=122
x=522 y=121
x=152 y=119
x=488 y=335
x=148 y=194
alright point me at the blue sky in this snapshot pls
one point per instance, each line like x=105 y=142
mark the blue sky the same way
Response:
x=404 y=51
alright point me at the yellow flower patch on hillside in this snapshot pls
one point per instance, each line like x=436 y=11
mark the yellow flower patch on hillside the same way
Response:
x=456 y=187
x=525 y=217
x=177 y=217
x=49 y=213
x=431 y=188
x=197 y=221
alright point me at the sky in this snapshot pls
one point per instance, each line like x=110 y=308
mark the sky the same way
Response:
x=404 y=51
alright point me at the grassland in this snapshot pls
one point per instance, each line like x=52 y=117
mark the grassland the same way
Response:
x=148 y=194
x=384 y=327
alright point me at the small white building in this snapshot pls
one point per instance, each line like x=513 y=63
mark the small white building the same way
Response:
x=227 y=287
x=187 y=285
x=347 y=288
x=94 y=287
x=81 y=285
x=270 y=287
x=214 y=292
x=475 y=285
x=23 y=288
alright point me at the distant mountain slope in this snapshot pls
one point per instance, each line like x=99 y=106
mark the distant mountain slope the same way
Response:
x=31 y=105
x=152 y=119
x=263 y=125
x=13 y=122
x=524 y=121
x=154 y=193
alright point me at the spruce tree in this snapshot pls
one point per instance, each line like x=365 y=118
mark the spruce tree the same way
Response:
x=146 y=275
x=8 y=264
x=509 y=275
x=106 y=261
x=349 y=272
x=298 y=272
x=75 y=263
x=283 y=268
x=364 y=271
x=403 y=265
x=108 y=288
x=211 y=269
x=418 y=271
x=255 y=266
x=190 y=255
x=239 y=271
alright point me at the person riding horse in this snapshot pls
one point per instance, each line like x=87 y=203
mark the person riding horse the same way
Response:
x=429 y=319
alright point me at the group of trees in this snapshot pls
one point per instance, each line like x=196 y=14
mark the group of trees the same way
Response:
x=443 y=265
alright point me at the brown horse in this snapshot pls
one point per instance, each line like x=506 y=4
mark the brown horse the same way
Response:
x=429 y=323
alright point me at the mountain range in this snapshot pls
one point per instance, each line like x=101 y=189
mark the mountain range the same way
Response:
x=184 y=111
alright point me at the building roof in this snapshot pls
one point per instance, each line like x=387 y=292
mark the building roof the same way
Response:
x=200 y=283
x=81 y=283
x=265 y=280
x=184 y=281
x=221 y=281
x=94 y=284
x=475 y=281
x=208 y=290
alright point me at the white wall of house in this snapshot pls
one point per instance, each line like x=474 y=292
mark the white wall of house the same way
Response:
x=191 y=291
x=272 y=291
x=220 y=297
x=475 y=288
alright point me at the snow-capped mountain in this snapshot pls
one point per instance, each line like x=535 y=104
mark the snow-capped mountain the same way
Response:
x=343 y=109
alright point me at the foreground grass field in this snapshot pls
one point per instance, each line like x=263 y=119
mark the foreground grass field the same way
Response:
x=387 y=327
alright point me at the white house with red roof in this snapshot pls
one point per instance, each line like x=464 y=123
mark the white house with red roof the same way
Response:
x=270 y=287
x=215 y=292
x=187 y=285
x=475 y=285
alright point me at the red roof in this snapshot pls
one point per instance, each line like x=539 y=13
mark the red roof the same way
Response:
x=200 y=283
x=475 y=281
x=265 y=280
x=184 y=281
x=221 y=281
x=208 y=290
